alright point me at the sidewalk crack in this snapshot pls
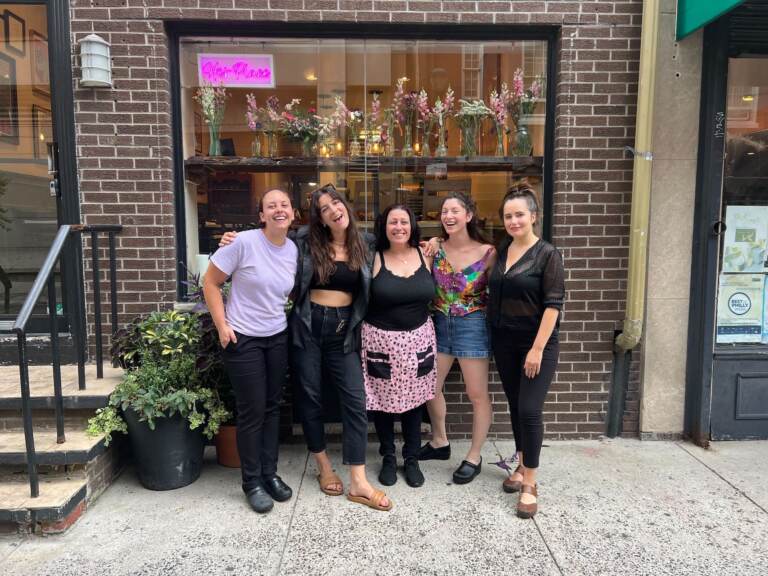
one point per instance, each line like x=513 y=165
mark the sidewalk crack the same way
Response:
x=723 y=478
x=293 y=513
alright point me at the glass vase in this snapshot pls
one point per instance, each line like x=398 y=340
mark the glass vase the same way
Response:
x=354 y=148
x=442 y=149
x=256 y=147
x=214 y=147
x=499 y=140
x=272 y=144
x=469 y=139
x=307 y=148
x=407 y=150
x=522 y=145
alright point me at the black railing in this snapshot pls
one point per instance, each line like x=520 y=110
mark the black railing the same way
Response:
x=66 y=233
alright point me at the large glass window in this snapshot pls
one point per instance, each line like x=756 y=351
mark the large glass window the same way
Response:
x=384 y=121
x=742 y=307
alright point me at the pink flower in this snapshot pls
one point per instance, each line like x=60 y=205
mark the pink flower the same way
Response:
x=518 y=84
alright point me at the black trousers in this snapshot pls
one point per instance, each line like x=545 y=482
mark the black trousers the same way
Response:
x=257 y=371
x=323 y=352
x=411 y=425
x=525 y=395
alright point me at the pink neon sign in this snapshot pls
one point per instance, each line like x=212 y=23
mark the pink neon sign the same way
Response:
x=236 y=70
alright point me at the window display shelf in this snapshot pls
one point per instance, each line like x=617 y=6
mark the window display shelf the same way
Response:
x=520 y=165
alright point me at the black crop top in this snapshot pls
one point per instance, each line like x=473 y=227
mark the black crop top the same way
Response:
x=399 y=303
x=342 y=280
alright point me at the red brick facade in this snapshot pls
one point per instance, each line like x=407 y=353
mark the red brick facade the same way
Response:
x=125 y=163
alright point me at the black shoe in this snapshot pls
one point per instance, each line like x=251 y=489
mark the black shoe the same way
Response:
x=259 y=499
x=467 y=471
x=388 y=474
x=279 y=490
x=413 y=476
x=427 y=452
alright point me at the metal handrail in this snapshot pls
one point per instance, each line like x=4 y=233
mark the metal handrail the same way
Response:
x=46 y=278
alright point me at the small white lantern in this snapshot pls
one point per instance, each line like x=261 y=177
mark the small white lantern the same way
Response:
x=95 y=62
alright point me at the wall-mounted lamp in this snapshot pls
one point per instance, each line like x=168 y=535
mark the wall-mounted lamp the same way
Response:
x=95 y=62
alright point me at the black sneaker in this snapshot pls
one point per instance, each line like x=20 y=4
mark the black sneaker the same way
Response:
x=275 y=487
x=427 y=452
x=467 y=471
x=388 y=473
x=413 y=476
x=259 y=499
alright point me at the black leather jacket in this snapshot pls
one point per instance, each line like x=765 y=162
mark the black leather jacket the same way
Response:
x=301 y=316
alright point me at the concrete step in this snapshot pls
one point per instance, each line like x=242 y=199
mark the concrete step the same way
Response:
x=78 y=448
x=61 y=501
x=38 y=348
x=41 y=387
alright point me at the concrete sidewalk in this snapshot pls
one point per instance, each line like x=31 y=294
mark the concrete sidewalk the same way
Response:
x=607 y=507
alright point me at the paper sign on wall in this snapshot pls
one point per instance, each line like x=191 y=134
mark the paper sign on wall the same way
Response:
x=236 y=70
x=740 y=308
x=746 y=239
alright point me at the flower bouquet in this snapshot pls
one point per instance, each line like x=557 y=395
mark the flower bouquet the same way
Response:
x=301 y=125
x=498 y=106
x=521 y=103
x=212 y=100
x=440 y=112
x=470 y=119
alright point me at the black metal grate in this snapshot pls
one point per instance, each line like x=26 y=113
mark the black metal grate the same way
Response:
x=748 y=29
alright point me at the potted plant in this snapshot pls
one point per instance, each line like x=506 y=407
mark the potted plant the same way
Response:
x=162 y=403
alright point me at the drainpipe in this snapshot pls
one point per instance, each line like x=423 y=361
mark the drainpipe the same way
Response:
x=632 y=330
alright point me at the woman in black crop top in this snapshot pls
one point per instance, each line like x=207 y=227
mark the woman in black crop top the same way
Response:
x=399 y=347
x=526 y=292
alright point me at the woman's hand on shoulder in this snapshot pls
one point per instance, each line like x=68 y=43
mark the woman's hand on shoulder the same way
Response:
x=492 y=253
x=227 y=238
x=428 y=258
x=430 y=248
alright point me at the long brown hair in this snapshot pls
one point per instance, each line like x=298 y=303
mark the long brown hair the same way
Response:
x=469 y=205
x=320 y=237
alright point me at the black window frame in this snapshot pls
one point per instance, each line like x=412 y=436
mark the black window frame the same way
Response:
x=176 y=29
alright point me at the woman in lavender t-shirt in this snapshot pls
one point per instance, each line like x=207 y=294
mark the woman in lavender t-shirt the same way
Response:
x=253 y=330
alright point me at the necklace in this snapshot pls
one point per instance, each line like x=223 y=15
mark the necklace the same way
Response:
x=403 y=260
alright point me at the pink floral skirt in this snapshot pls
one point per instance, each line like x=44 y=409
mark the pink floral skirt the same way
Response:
x=399 y=367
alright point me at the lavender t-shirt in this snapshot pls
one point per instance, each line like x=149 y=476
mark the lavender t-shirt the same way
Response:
x=262 y=278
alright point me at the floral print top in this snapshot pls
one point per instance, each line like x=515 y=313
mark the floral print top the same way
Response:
x=463 y=292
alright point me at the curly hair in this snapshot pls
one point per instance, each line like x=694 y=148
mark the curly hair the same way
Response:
x=320 y=237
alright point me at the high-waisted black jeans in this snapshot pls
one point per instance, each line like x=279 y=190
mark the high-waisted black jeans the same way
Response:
x=257 y=371
x=323 y=353
x=525 y=395
x=410 y=422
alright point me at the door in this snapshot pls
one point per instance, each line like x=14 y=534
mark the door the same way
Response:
x=740 y=365
x=29 y=201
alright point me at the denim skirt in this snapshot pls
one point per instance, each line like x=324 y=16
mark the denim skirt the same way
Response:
x=463 y=336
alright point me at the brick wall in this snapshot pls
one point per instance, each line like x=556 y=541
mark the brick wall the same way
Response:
x=125 y=162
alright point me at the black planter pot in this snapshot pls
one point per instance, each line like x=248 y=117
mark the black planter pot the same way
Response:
x=168 y=457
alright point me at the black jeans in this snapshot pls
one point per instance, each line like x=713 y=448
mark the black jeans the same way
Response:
x=323 y=352
x=525 y=395
x=411 y=425
x=257 y=370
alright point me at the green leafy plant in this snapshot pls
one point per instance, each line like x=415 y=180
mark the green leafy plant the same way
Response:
x=160 y=354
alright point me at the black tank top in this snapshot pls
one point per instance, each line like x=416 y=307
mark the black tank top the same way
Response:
x=399 y=303
x=342 y=280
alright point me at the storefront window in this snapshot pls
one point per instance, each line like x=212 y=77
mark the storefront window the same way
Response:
x=742 y=308
x=384 y=121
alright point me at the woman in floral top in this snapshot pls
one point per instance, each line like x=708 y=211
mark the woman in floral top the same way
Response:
x=460 y=270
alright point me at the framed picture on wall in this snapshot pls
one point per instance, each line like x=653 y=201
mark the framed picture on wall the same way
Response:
x=9 y=106
x=15 y=33
x=38 y=64
x=42 y=131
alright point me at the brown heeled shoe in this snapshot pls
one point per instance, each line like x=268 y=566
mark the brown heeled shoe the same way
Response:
x=527 y=510
x=511 y=486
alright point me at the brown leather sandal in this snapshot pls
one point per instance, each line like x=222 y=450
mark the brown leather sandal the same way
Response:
x=511 y=486
x=527 y=510
x=328 y=480
x=373 y=502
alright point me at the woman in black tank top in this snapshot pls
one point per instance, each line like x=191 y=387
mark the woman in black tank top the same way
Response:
x=398 y=338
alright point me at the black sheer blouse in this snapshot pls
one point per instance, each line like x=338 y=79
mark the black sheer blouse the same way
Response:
x=517 y=299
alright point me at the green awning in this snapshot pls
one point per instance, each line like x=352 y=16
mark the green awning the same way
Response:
x=693 y=14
